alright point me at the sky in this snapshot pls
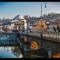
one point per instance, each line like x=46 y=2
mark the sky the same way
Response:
x=11 y=9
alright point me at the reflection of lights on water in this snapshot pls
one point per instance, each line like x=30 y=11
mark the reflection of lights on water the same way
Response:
x=34 y=45
x=57 y=55
x=21 y=56
x=5 y=48
x=17 y=52
x=6 y=52
x=49 y=53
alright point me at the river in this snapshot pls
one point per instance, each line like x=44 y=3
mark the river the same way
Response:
x=5 y=52
x=52 y=47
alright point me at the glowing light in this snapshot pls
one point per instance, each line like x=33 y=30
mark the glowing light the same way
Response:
x=34 y=45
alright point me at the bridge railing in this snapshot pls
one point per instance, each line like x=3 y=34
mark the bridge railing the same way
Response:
x=52 y=36
x=8 y=39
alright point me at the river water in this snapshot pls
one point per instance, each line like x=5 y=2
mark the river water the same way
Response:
x=5 y=52
x=52 y=47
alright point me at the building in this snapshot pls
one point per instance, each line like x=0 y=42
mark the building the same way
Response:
x=53 y=26
x=40 y=26
x=7 y=28
x=19 y=24
x=1 y=27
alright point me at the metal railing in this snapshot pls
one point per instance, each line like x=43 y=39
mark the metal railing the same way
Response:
x=8 y=39
x=11 y=39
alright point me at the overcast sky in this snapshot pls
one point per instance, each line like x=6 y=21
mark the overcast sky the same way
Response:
x=11 y=9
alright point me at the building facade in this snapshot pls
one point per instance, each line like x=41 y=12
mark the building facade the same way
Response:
x=1 y=27
x=40 y=26
x=19 y=24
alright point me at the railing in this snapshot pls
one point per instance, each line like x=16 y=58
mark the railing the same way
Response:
x=11 y=39
x=52 y=36
x=52 y=40
x=8 y=39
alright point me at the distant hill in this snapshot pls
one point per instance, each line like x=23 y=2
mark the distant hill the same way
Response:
x=6 y=21
x=32 y=20
x=51 y=16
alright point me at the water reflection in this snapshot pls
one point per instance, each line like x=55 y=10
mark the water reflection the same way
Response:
x=6 y=52
x=15 y=52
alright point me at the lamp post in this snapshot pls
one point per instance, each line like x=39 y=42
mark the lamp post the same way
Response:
x=41 y=23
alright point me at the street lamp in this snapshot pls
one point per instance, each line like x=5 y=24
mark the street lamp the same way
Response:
x=41 y=23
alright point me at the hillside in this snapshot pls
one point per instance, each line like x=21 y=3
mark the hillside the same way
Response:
x=32 y=20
